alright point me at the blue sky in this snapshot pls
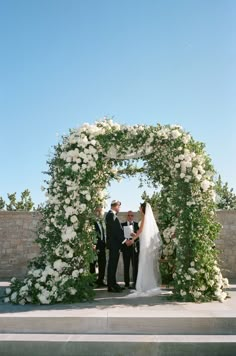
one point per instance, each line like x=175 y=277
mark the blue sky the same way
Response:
x=67 y=62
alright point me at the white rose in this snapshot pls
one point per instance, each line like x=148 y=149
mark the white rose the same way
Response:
x=205 y=185
x=22 y=302
x=75 y=167
x=88 y=197
x=195 y=171
x=73 y=219
x=14 y=296
x=185 y=139
x=225 y=282
x=8 y=291
x=6 y=300
x=175 y=134
x=75 y=273
x=72 y=291
x=182 y=175
x=197 y=294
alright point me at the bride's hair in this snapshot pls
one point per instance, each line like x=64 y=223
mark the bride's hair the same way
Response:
x=143 y=207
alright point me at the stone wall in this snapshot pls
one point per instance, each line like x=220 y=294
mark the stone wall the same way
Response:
x=226 y=243
x=17 y=235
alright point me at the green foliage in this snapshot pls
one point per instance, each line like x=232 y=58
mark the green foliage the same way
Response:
x=2 y=203
x=225 y=196
x=152 y=200
x=24 y=204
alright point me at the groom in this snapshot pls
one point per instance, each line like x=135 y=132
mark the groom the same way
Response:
x=115 y=237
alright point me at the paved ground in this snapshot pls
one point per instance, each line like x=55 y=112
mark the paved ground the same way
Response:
x=119 y=305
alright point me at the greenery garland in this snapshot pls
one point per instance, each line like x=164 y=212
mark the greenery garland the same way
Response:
x=82 y=166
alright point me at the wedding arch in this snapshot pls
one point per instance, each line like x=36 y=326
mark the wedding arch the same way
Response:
x=83 y=164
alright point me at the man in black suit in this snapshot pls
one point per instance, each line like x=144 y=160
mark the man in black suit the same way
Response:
x=100 y=249
x=115 y=237
x=130 y=253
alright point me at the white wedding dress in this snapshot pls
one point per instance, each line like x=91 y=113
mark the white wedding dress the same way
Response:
x=149 y=278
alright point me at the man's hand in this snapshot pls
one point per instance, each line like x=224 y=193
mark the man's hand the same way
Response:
x=129 y=242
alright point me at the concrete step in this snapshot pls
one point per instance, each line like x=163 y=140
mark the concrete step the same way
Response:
x=106 y=345
x=117 y=324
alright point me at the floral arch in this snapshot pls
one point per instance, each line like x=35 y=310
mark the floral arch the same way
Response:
x=79 y=172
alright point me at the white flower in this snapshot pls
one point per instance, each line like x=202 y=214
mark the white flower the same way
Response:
x=205 y=185
x=225 y=282
x=72 y=291
x=73 y=219
x=185 y=139
x=183 y=165
x=36 y=273
x=195 y=171
x=218 y=293
x=182 y=293
x=197 y=294
x=43 y=299
x=75 y=167
x=223 y=296
x=22 y=302
x=8 y=291
x=14 y=297
x=59 y=265
x=75 y=273
x=182 y=175
x=6 y=300
x=67 y=201
x=88 y=197
x=192 y=270
x=175 y=134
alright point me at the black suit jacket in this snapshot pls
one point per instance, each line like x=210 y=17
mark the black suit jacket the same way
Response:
x=114 y=230
x=100 y=243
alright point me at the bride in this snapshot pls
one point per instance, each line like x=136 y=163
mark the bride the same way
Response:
x=149 y=278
